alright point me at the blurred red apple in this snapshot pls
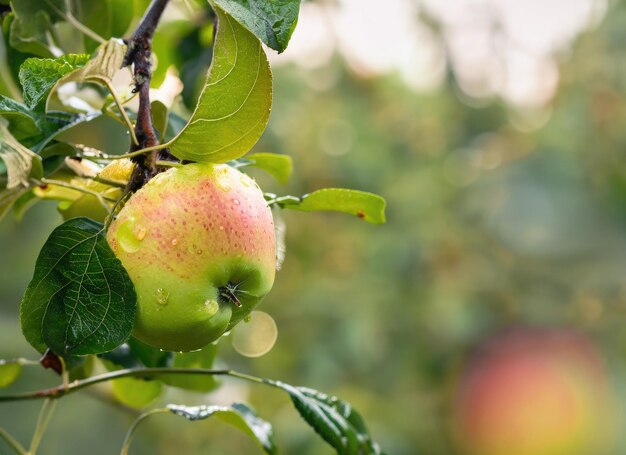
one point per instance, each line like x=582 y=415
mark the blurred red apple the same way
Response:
x=534 y=392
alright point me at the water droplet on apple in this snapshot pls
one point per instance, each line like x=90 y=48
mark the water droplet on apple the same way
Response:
x=128 y=238
x=140 y=232
x=222 y=184
x=174 y=242
x=211 y=306
x=236 y=201
x=162 y=296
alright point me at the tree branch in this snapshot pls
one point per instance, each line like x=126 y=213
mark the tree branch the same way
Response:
x=62 y=390
x=138 y=55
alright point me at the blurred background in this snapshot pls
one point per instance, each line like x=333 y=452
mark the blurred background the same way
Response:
x=486 y=317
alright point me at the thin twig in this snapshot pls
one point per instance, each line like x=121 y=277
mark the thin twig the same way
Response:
x=61 y=390
x=109 y=182
x=20 y=361
x=120 y=107
x=102 y=199
x=166 y=163
x=12 y=442
x=69 y=17
x=42 y=423
x=133 y=428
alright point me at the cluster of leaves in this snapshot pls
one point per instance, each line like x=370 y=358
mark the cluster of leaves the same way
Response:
x=81 y=302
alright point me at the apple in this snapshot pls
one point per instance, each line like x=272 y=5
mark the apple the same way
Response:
x=198 y=243
x=534 y=392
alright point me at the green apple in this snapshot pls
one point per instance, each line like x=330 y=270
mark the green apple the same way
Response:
x=198 y=243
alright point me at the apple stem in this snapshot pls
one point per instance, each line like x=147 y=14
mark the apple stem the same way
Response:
x=138 y=55
x=230 y=292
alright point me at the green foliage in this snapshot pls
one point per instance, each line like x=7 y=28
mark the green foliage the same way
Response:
x=234 y=106
x=272 y=21
x=202 y=358
x=33 y=19
x=367 y=206
x=238 y=415
x=107 y=18
x=136 y=393
x=147 y=355
x=22 y=122
x=32 y=30
x=333 y=419
x=20 y=162
x=278 y=166
x=106 y=61
x=9 y=372
x=133 y=392
x=38 y=76
x=80 y=300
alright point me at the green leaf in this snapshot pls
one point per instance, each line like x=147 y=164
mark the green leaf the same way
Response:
x=166 y=46
x=203 y=358
x=82 y=368
x=105 y=17
x=120 y=357
x=106 y=61
x=13 y=58
x=136 y=393
x=22 y=123
x=234 y=107
x=30 y=31
x=133 y=392
x=333 y=419
x=272 y=21
x=9 y=372
x=20 y=162
x=23 y=203
x=55 y=123
x=239 y=415
x=80 y=300
x=346 y=411
x=160 y=117
x=278 y=166
x=121 y=17
x=38 y=76
x=367 y=206
x=149 y=356
x=134 y=354
x=8 y=197
x=175 y=124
